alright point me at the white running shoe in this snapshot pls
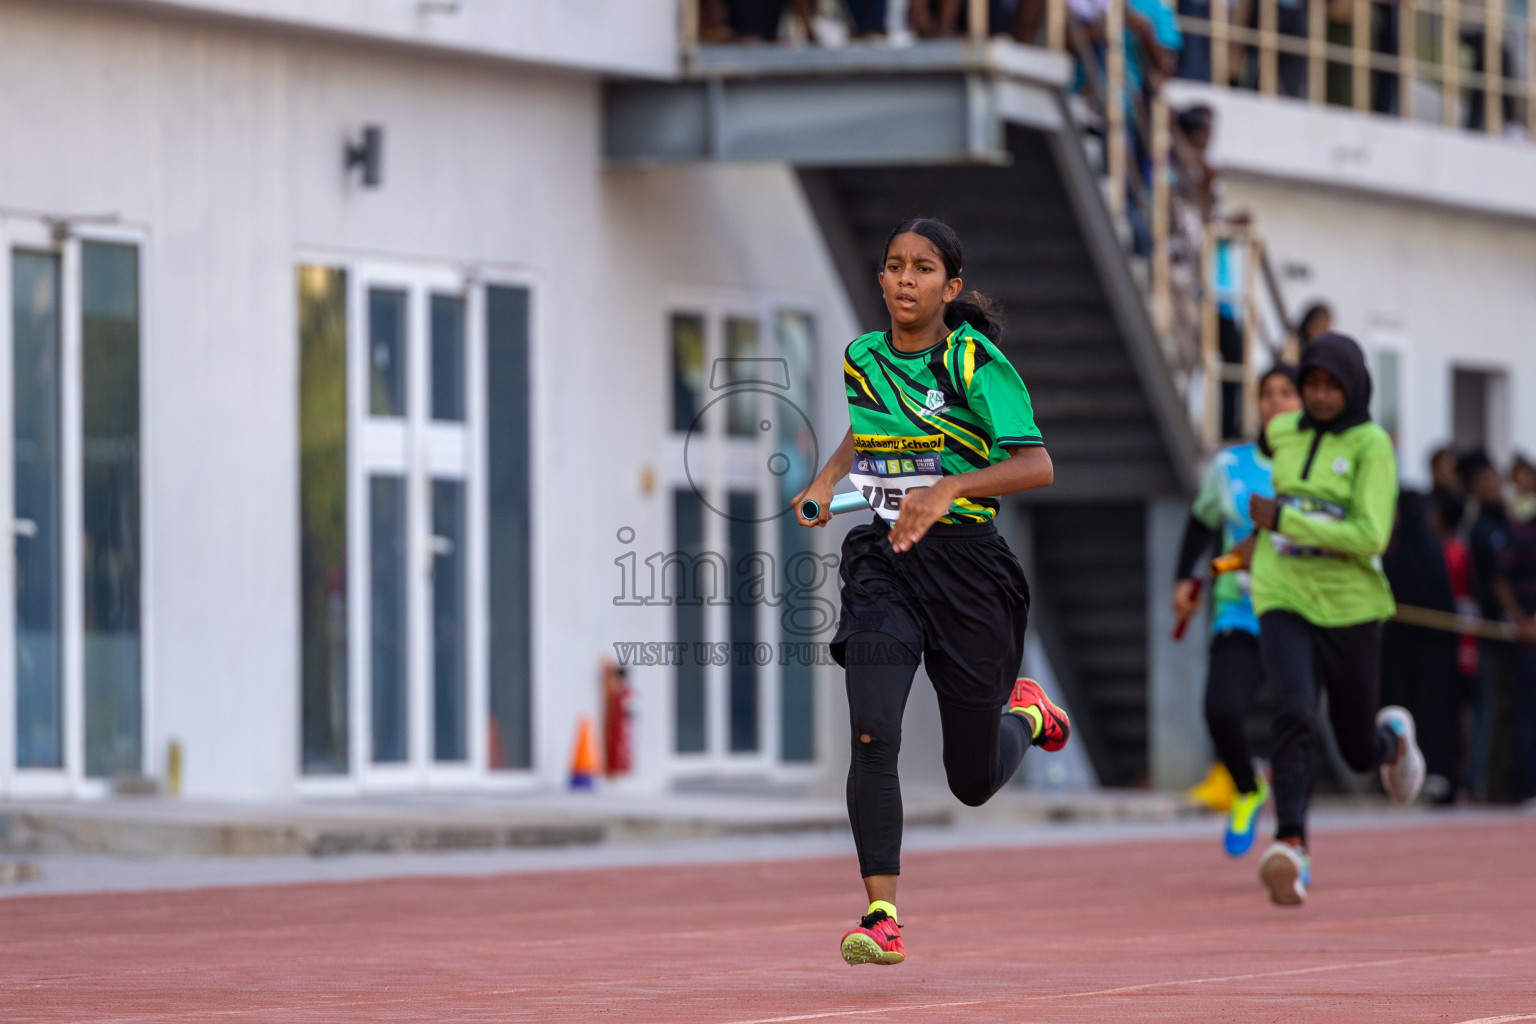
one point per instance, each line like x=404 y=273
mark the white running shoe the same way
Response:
x=1404 y=777
x=1284 y=871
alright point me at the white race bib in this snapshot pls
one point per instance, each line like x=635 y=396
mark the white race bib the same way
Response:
x=885 y=468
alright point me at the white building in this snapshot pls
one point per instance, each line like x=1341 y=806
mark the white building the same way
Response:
x=321 y=480
x=359 y=405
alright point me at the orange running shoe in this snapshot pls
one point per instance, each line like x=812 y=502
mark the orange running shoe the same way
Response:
x=1055 y=728
x=877 y=940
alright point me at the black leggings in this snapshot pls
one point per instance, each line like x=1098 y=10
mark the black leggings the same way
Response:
x=1346 y=661
x=1230 y=684
x=982 y=749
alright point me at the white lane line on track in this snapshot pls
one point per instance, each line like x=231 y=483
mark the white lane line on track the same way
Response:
x=860 y=1013
x=1293 y=972
x=1509 y=1019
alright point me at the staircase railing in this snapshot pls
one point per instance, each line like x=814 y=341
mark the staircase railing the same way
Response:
x=1392 y=58
x=1199 y=268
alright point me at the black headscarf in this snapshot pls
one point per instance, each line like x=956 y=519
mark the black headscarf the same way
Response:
x=1339 y=355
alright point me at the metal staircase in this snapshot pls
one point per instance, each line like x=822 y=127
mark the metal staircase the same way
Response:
x=997 y=157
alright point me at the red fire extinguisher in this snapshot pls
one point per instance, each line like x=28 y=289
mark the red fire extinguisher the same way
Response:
x=618 y=720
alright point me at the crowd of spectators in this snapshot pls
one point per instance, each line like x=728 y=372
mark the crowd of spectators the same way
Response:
x=771 y=20
x=828 y=20
x=1468 y=546
x=1155 y=46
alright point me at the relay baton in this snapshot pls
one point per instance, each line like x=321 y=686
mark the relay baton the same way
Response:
x=850 y=501
x=1178 y=630
x=1229 y=562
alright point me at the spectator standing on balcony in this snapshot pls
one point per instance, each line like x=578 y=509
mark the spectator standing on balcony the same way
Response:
x=1161 y=51
x=1339 y=80
x=934 y=18
x=1291 y=68
x=1226 y=279
x=1194 y=125
x=1195 y=56
x=1321 y=599
x=1315 y=322
x=1193 y=200
x=752 y=19
x=1234 y=672
x=1020 y=19
x=867 y=18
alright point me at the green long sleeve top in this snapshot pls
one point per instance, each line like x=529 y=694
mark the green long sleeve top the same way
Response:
x=1338 y=500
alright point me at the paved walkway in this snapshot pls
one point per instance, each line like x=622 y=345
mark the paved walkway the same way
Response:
x=160 y=827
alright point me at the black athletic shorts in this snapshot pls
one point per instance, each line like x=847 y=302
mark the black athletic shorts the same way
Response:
x=958 y=599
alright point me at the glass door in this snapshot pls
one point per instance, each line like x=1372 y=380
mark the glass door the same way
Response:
x=72 y=665
x=742 y=447
x=37 y=469
x=417 y=714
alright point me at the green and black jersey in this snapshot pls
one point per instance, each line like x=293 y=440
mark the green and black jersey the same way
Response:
x=919 y=416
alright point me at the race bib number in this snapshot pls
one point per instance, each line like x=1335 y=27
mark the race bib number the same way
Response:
x=886 y=468
x=1312 y=508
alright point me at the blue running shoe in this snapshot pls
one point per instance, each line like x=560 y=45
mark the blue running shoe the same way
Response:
x=1243 y=819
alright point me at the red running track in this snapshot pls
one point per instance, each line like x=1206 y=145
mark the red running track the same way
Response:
x=1433 y=923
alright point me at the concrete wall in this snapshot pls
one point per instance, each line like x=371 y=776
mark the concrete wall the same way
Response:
x=221 y=141
x=636 y=37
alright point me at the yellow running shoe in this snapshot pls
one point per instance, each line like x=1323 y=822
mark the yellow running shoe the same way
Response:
x=1216 y=791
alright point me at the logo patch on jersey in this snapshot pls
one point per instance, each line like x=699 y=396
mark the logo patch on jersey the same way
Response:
x=935 y=400
x=1340 y=466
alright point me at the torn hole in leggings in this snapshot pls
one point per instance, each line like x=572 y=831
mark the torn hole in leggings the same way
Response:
x=864 y=737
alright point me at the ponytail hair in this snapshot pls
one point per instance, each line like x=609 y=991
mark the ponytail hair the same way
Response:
x=980 y=312
x=972 y=307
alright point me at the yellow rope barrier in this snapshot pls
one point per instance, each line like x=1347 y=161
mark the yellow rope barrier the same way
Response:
x=1466 y=625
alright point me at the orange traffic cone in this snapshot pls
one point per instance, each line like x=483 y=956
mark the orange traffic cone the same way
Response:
x=584 y=766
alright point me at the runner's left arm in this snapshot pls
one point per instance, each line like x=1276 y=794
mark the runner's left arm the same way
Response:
x=1026 y=468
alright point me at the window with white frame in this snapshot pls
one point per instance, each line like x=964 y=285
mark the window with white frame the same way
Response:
x=414 y=451
x=741 y=419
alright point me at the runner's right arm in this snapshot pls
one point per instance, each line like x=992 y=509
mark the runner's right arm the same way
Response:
x=1201 y=531
x=820 y=489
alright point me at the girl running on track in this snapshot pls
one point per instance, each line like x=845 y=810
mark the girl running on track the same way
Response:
x=1220 y=512
x=1321 y=597
x=941 y=426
